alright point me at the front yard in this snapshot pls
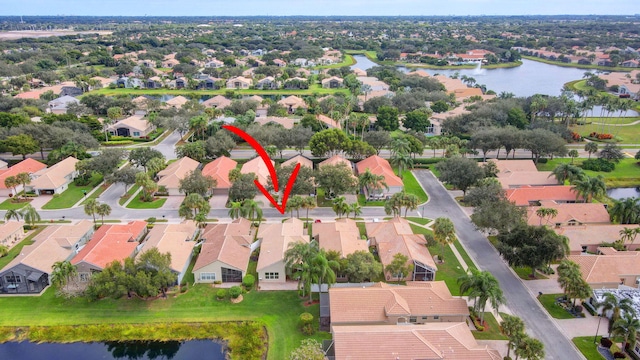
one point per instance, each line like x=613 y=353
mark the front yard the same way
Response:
x=9 y=204
x=556 y=311
x=73 y=194
x=136 y=203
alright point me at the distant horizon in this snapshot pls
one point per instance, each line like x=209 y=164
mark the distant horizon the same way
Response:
x=324 y=8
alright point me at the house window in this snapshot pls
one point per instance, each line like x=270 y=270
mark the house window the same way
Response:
x=425 y=317
x=13 y=279
x=413 y=319
x=136 y=133
x=84 y=276
x=272 y=276
x=436 y=317
x=208 y=276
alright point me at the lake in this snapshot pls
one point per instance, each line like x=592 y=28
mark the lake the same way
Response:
x=129 y=350
x=621 y=193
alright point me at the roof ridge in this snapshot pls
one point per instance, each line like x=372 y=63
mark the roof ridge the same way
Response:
x=438 y=352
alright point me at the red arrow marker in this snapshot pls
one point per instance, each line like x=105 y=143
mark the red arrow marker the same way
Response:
x=272 y=171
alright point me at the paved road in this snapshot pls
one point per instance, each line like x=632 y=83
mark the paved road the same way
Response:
x=519 y=300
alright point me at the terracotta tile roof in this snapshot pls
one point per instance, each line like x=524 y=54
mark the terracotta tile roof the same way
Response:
x=54 y=243
x=170 y=177
x=451 y=85
x=293 y=101
x=256 y=98
x=329 y=79
x=359 y=72
x=276 y=239
x=177 y=101
x=54 y=177
x=227 y=243
x=585 y=235
x=598 y=269
x=111 y=242
x=379 y=166
x=335 y=160
x=451 y=341
x=286 y=122
x=510 y=166
x=420 y=73
x=258 y=167
x=11 y=227
x=342 y=236
x=377 y=303
x=298 y=159
x=217 y=101
x=467 y=93
x=29 y=166
x=395 y=236
x=516 y=179
x=582 y=213
x=135 y=122
x=173 y=239
x=523 y=196
x=329 y=121
x=219 y=170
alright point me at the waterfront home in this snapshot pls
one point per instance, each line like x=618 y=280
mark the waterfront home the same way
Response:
x=341 y=236
x=175 y=239
x=275 y=239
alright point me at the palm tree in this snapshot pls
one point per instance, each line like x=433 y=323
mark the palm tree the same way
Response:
x=629 y=234
x=564 y=172
x=611 y=303
x=12 y=182
x=309 y=203
x=513 y=329
x=590 y=187
x=370 y=181
x=400 y=145
x=235 y=209
x=356 y=209
x=103 y=210
x=546 y=212
x=483 y=287
x=295 y=203
x=192 y=205
x=573 y=154
x=340 y=206
x=12 y=214
x=625 y=211
x=90 y=208
x=568 y=271
x=403 y=161
x=24 y=179
x=530 y=349
x=30 y=215
x=627 y=328
x=409 y=201
x=252 y=209
x=322 y=270
x=62 y=273
x=443 y=232
x=298 y=258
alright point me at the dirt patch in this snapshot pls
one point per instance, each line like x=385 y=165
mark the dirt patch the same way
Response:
x=237 y=300
x=307 y=303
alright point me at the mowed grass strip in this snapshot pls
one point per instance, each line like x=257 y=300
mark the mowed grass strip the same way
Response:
x=73 y=194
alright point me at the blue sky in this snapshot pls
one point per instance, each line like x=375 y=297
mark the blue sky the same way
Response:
x=316 y=7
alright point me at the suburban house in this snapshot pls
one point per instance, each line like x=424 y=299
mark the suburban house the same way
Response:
x=587 y=238
x=342 y=236
x=29 y=272
x=225 y=252
x=154 y=83
x=56 y=179
x=611 y=271
x=214 y=64
x=217 y=102
x=129 y=82
x=569 y=214
x=208 y=83
x=268 y=83
x=275 y=239
x=298 y=159
x=630 y=63
x=384 y=304
x=11 y=232
x=379 y=166
x=109 y=243
x=296 y=83
x=259 y=168
x=517 y=173
x=534 y=195
x=170 y=63
x=329 y=122
x=29 y=166
x=170 y=177
x=60 y=105
x=279 y=62
x=181 y=83
x=396 y=237
x=292 y=103
x=333 y=82
x=335 y=160
x=177 y=102
x=175 y=239
x=134 y=126
x=219 y=170
x=451 y=341
x=239 y=82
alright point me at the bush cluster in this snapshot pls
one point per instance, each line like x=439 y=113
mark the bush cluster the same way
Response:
x=235 y=291
x=601 y=136
x=598 y=165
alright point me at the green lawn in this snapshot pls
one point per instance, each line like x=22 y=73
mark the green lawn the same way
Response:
x=464 y=255
x=626 y=173
x=72 y=195
x=312 y=90
x=587 y=347
x=136 y=203
x=132 y=190
x=524 y=273
x=363 y=201
x=10 y=205
x=96 y=194
x=322 y=202
x=421 y=221
x=576 y=65
x=491 y=329
x=412 y=186
x=277 y=310
x=348 y=61
x=556 y=311
x=363 y=230
x=15 y=251
x=629 y=134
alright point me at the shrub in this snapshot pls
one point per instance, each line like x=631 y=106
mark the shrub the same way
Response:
x=479 y=327
x=306 y=318
x=217 y=282
x=235 y=291
x=543 y=160
x=151 y=220
x=248 y=281
x=605 y=342
x=117 y=143
x=619 y=355
x=308 y=329
x=589 y=308
x=507 y=358
x=221 y=294
x=598 y=165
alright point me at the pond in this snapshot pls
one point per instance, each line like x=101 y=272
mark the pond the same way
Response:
x=621 y=193
x=129 y=350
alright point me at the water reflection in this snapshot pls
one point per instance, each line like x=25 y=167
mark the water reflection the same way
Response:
x=136 y=350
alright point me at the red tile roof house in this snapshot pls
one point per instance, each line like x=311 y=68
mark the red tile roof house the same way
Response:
x=219 y=170
x=170 y=177
x=379 y=166
x=225 y=252
x=11 y=232
x=274 y=241
x=342 y=236
x=109 y=243
x=587 y=238
x=533 y=195
x=517 y=173
x=177 y=240
x=451 y=341
x=611 y=271
x=298 y=159
x=29 y=166
x=396 y=237
x=569 y=214
x=56 y=179
x=259 y=168
x=385 y=304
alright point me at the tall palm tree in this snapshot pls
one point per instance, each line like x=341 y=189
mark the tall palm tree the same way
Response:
x=370 y=181
x=565 y=171
x=30 y=215
x=356 y=209
x=513 y=329
x=444 y=232
x=625 y=211
x=483 y=287
x=298 y=258
x=322 y=270
x=340 y=206
x=12 y=182
x=567 y=272
x=400 y=145
x=90 y=208
x=530 y=349
x=309 y=203
x=62 y=273
x=103 y=210
x=12 y=214
x=235 y=209
x=590 y=187
x=24 y=179
x=403 y=161
x=611 y=303
x=409 y=201
x=192 y=205
x=252 y=209
x=627 y=327
x=546 y=212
